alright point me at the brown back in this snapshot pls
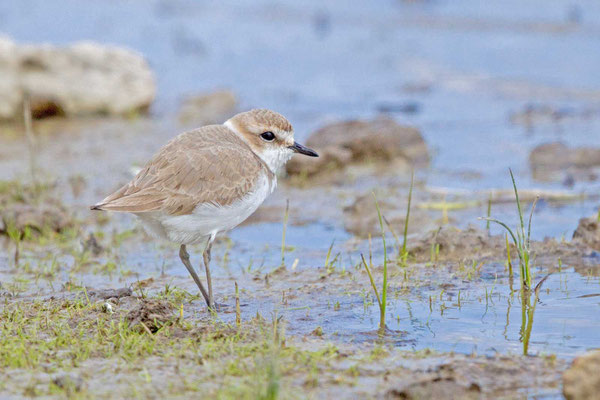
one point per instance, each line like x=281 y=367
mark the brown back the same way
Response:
x=207 y=165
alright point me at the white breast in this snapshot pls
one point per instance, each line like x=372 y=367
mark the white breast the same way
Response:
x=208 y=219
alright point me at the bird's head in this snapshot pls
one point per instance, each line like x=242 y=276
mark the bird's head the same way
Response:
x=269 y=135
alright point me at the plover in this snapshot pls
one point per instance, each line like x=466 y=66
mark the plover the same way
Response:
x=208 y=181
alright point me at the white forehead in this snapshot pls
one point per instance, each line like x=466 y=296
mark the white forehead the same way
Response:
x=284 y=134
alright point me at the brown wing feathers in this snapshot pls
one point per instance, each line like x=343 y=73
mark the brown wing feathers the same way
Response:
x=210 y=164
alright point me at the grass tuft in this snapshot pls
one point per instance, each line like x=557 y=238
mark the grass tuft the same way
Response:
x=522 y=238
x=381 y=300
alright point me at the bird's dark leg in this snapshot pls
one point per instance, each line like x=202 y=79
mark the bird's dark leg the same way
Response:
x=185 y=259
x=206 y=257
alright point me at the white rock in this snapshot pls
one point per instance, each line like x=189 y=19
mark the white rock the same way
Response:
x=81 y=79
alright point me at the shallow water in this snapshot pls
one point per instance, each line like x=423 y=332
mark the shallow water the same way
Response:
x=466 y=311
x=463 y=68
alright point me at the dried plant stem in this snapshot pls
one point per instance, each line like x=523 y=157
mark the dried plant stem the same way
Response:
x=373 y=285
x=31 y=141
x=238 y=313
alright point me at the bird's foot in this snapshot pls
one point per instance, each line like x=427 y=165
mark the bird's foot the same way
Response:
x=218 y=307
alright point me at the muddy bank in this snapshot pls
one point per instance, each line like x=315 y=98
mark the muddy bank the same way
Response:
x=324 y=312
x=224 y=360
x=432 y=207
x=362 y=219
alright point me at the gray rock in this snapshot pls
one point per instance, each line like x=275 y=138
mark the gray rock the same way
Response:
x=81 y=79
x=110 y=293
x=208 y=108
x=557 y=155
x=71 y=383
x=50 y=216
x=582 y=380
x=588 y=232
x=347 y=142
x=330 y=158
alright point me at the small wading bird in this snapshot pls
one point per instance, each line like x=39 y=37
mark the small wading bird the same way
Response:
x=208 y=181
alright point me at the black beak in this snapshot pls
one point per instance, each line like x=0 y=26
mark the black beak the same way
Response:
x=298 y=148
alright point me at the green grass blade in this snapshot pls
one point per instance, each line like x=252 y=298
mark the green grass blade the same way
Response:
x=512 y=177
x=404 y=252
x=530 y=218
x=510 y=267
x=514 y=238
x=329 y=254
x=385 y=272
x=371 y=279
x=396 y=238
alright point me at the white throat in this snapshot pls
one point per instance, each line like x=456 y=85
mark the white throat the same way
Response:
x=274 y=157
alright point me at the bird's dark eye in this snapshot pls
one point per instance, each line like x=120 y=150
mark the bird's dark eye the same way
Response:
x=268 y=136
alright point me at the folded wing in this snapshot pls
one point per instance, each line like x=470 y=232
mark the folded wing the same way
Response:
x=208 y=165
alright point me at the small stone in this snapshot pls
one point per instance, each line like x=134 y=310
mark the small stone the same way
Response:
x=107 y=308
x=557 y=155
x=588 y=232
x=110 y=293
x=69 y=382
x=37 y=218
x=318 y=331
x=330 y=158
x=208 y=108
x=91 y=245
x=582 y=380
x=437 y=388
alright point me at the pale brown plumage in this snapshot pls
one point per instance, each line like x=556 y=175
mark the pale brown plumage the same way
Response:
x=207 y=165
x=208 y=181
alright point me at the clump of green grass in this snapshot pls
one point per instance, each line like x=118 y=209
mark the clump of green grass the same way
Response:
x=402 y=256
x=522 y=238
x=381 y=300
x=253 y=361
x=331 y=259
x=527 y=312
x=15 y=236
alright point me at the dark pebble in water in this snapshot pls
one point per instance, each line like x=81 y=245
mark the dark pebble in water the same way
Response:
x=109 y=293
x=593 y=257
x=403 y=108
